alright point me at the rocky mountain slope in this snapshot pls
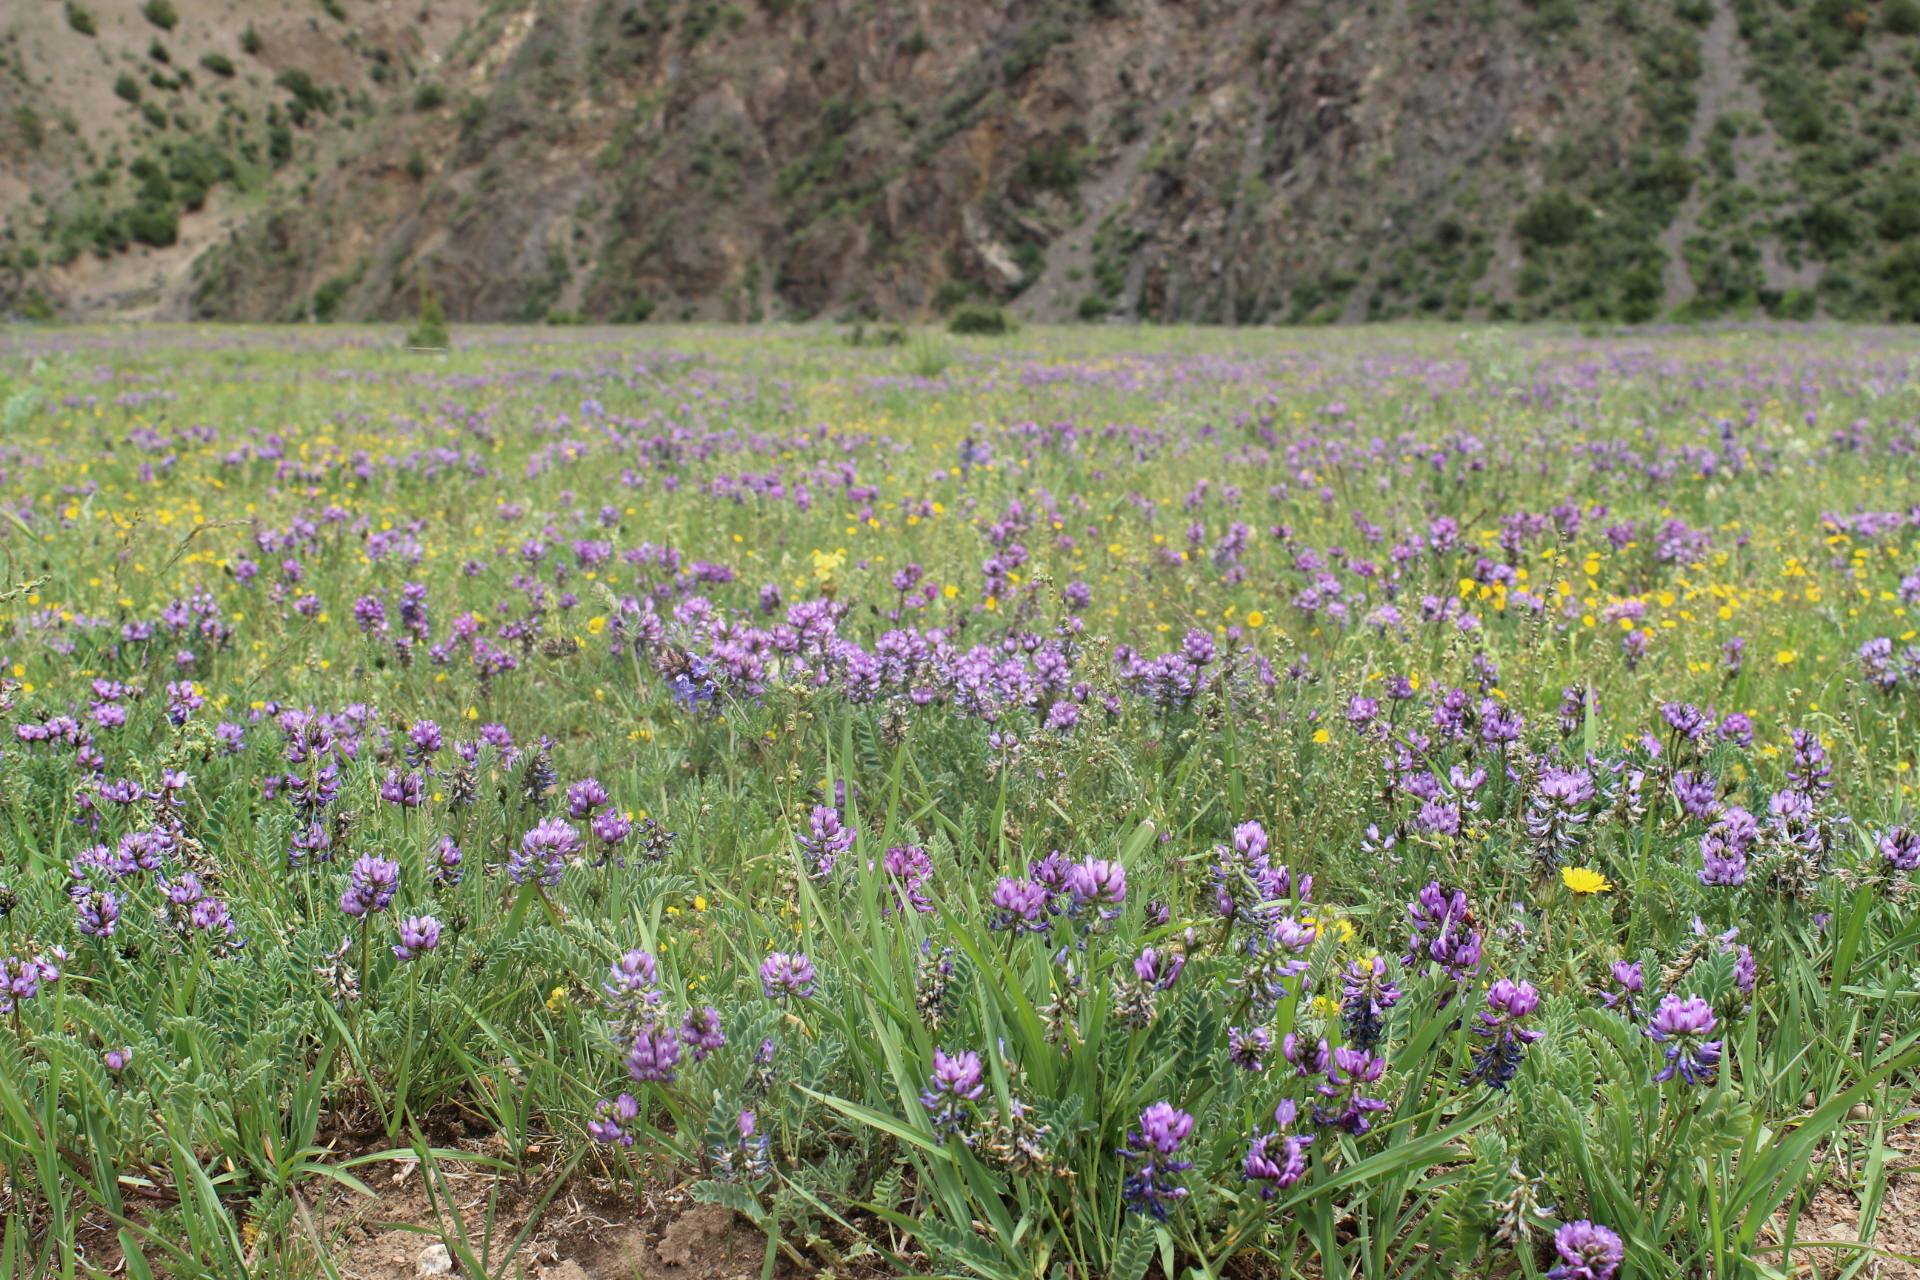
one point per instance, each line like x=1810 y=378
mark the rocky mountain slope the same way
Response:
x=1247 y=161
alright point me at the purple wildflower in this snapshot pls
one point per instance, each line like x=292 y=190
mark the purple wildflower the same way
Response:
x=1587 y=1251
x=1683 y=1024
x=418 y=935
x=784 y=976
x=1151 y=1186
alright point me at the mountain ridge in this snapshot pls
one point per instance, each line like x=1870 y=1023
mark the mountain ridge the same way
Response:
x=1133 y=159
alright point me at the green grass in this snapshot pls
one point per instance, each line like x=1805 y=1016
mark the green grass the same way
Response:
x=539 y=531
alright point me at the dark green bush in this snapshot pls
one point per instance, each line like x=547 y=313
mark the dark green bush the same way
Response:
x=1828 y=228
x=950 y=294
x=1797 y=109
x=33 y=133
x=81 y=20
x=327 y=298
x=980 y=319
x=161 y=14
x=126 y=87
x=430 y=330
x=430 y=95
x=1899 y=210
x=1551 y=218
x=154 y=224
x=218 y=63
x=1902 y=17
x=1900 y=282
x=1796 y=304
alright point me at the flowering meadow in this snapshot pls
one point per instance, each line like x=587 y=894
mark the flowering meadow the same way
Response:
x=1093 y=804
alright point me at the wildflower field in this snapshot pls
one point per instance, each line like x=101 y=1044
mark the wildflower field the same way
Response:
x=1105 y=803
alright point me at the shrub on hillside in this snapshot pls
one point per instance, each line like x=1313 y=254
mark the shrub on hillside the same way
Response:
x=154 y=224
x=430 y=330
x=979 y=318
x=1552 y=218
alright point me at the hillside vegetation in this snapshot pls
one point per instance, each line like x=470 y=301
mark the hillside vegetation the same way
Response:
x=1211 y=161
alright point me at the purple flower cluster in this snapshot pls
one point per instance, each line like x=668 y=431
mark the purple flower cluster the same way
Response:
x=828 y=837
x=954 y=1086
x=1682 y=1024
x=1587 y=1251
x=371 y=883
x=1504 y=1032
x=785 y=976
x=418 y=935
x=1444 y=935
x=1278 y=1159
x=543 y=853
x=1152 y=1183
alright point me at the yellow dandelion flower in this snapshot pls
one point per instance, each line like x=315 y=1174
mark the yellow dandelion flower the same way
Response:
x=1584 y=880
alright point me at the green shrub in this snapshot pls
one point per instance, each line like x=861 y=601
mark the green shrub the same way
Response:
x=250 y=40
x=161 y=14
x=218 y=63
x=1093 y=307
x=327 y=298
x=430 y=95
x=1551 y=218
x=1828 y=228
x=307 y=95
x=81 y=20
x=473 y=115
x=126 y=87
x=1899 y=216
x=1051 y=166
x=430 y=330
x=1900 y=281
x=1902 y=17
x=981 y=319
x=1796 y=304
x=154 y=224
x=1797 y=109
x=950 y=294
x=1554 y=16
x=33 y=134
x=886 y=335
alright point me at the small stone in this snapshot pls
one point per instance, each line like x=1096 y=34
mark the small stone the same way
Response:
x=1859 y=1111
x=434 y=1260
